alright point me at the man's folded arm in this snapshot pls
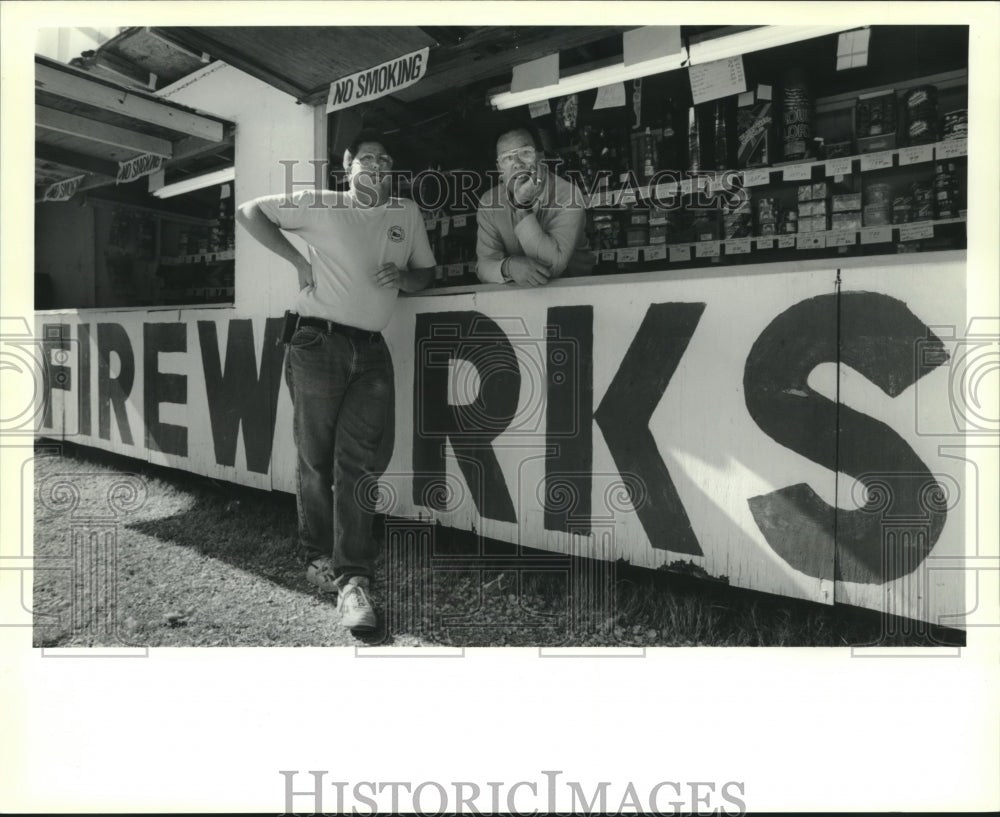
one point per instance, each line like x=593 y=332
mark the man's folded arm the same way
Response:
x=555 y=244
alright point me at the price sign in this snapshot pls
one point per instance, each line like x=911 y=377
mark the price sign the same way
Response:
x=786 y=241
x=707 y=249
x=737 y=246
x=756 y=177
x=876 y=161
x=455 y=270
x=607 y=255
x=915 y=231
x=842 y=238
x=916 y=155
x=811 y=241
x=764 y=243
x=430 y=223
x=797 y=173
x=654 y=253
x=876 y=235
x=460 y=221
x=952 y=148
x=680 y=253
x=838 y=167
x=628 y=255
x=445 y=226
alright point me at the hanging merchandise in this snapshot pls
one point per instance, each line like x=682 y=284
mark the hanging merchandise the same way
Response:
x=567 y=114
x=796 y=116
x=694 y=140
x=755 y=128
x=670 y=145
x=720 y=141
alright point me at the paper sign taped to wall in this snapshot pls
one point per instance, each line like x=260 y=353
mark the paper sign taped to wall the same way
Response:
x=535 y=74
x=610 y=96
x=650 y=42
x=537 y=109
x=717 y=79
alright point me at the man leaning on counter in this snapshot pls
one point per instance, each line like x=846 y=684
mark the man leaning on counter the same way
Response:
x=532 y=224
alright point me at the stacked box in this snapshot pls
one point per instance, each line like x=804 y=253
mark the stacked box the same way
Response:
x=846 y=203
x=605 y=231
x=706 y=226
x=737 y=220
x=767 y=217
x=848 y=220
x=877 y=205
x=956 y=124
x=875 y=121
x=812 y=209
x=945 y=191
x=838 y=150
x=637 y=236
x=846 y=213
x=921 y=115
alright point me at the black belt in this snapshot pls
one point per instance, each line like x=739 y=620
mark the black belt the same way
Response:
x=334 y=328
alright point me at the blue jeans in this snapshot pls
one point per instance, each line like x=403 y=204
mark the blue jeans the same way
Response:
x=343 y=396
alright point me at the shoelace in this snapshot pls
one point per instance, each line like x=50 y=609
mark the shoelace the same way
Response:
x=358 y=596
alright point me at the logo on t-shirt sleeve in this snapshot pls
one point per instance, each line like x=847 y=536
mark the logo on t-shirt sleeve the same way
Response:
x=396 y=233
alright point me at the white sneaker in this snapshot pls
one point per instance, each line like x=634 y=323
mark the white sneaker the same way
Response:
x=354 y=605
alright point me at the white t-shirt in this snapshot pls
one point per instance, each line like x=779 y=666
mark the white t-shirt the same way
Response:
x=347 y=244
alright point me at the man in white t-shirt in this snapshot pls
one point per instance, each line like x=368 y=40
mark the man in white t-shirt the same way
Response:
x=364 y=246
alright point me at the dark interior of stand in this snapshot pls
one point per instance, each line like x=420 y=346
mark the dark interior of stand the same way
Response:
x=458 y=128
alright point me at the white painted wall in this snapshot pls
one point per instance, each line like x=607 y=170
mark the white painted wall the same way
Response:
x=270 y=126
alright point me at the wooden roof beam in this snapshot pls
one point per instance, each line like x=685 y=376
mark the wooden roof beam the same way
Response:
x=238 y=59
x=75 y=162
x=101 y=132
x=72 y=86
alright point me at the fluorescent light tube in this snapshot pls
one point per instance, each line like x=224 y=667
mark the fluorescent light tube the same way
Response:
x=732 y=45
x=587 y=80
x=227 y=174
x=757 y=39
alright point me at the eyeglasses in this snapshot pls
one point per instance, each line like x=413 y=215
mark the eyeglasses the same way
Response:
x=371 y=160
x=526 y=155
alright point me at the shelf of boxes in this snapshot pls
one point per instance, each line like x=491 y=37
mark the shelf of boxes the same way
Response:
x=688 y=251
x=798 y=171
x=200 y=258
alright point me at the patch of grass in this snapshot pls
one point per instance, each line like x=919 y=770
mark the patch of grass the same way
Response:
x=203 y=563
